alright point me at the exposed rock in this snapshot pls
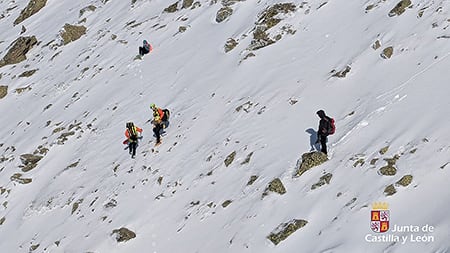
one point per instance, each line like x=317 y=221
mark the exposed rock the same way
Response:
x=376 y=45
x=28 y=73
x=32 y=8
x=252 y=180
x=229 y=159
x=268 y=17
x=226 y=203
x=247 y=159
x=400 y=8
x=230 y=45
x=34 y=247
x=260 y=39
x=29 y=161
x=342 y=73
x=2 y=220
x=284 y=230
x=72 y=33
x=388 y=170
x=3 y=91
x=275 y=186
x=325 y=179
x=187 y=3
x=23 y=30
x=63 y=137
x=374 y=161
x=172 y=8
x=390 y=190
x=18 y=50
x=387 y=52
x=310 y=160
x=17 y=177
x=359 y=162
x=123 y=234
x=230 y=2
x=88 y=8
x=182 y=29
x=405 y=180
x=76 y=205
x=384 y=150
x=223 y=13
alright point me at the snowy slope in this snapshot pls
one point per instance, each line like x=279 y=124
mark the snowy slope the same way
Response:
x=86 y=185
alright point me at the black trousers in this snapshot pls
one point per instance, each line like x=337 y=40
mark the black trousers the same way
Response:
x=142 y=51
x=323 y=143
x=132 y=148
x=156 y=130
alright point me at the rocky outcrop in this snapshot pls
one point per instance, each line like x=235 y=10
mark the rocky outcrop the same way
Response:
x=342 y=73
x=275 y=186
x=172 y=8
x=284 y=230
x=3 y=91
x=72 y=33
x=404 y=181
x=123 y=234
x=229 y=159
x=18 y=50
x=387 y=53
x=29 y=161
x=400 y=8
x=310 y=160
x=32 y=8
x=325 y=179
x=223 y=14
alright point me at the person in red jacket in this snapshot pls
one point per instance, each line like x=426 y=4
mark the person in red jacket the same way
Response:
x=145 y=49
x=132 y=133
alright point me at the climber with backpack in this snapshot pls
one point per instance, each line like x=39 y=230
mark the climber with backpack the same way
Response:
x=133 y=134
x=145 y=49
x=160 y=121
x=326 y=127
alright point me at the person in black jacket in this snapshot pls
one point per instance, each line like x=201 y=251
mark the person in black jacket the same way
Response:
x=323 y=131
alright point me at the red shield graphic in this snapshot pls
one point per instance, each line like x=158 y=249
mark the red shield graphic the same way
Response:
x=379 y=220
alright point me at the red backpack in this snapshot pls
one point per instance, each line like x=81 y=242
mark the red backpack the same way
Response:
x=331 y=126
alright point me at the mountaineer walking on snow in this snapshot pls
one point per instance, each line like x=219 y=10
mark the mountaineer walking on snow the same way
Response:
x=326 y=127
x=132 y=133
x=145 y=49
x=160 y=121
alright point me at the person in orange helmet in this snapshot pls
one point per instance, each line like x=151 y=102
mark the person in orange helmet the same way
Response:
x=132 y=133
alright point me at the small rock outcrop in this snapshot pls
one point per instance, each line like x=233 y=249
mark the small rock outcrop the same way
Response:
x=3 y=91
x=387 y=53
x=72 y=33
x=310 y=160
x=18 y=50
x=342 y=73
x=284 y=230
x=229 y=159
x=390 y=190
x=32 y=8
x=325 y=179
x=275 y=186
x=223 y=14
x=123 y=234
x=400 y=8
x=172 y=8
x=404 y=181
x=29 y=161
